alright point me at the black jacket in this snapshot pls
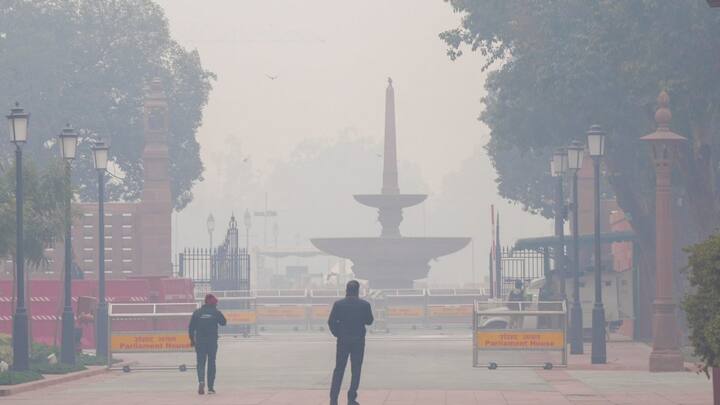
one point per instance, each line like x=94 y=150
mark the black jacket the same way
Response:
x=349 y=317
x=204 y=324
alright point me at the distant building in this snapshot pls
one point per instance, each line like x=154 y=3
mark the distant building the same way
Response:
x=137 y=234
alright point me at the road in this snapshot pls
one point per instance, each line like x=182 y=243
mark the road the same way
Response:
x=399 y=369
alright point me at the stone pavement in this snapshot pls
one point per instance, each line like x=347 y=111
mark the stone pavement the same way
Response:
x=411 y=370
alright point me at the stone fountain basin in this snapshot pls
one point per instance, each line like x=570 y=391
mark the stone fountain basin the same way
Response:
x=390 y=262
x=390 y=200
x=388 y=250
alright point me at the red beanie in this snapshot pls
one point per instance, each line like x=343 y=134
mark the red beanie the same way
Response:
x=211 y=299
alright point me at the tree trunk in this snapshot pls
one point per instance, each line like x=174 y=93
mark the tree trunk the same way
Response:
x=716 y=385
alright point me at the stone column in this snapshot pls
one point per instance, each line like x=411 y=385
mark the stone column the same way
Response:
x=154 y=231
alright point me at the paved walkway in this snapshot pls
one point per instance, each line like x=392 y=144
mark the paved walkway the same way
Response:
x=429 y=370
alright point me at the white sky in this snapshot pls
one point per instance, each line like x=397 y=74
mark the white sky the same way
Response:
x=332 y=59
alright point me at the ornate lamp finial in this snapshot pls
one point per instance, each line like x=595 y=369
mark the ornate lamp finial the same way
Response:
x=663 y=114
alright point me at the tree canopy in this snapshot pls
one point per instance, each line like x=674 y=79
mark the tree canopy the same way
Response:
x=560 y=66
x=88 y=65
x=45 y=192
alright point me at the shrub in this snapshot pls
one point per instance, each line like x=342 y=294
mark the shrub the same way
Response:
x=702 y=301
x=6 y=348
x=57 y=368
x=18 y=377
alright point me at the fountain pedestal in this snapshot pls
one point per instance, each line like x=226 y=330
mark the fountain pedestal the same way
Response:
x=391 y=260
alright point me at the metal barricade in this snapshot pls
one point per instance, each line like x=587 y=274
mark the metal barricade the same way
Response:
x=282 y=308
x=451 y=306
x=153 y=328
x=404 y=307
x=519 y=334
x=240 y=310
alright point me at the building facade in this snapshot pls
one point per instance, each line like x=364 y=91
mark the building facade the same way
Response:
x=137 y=234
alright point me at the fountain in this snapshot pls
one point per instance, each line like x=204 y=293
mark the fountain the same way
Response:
x=390 y=260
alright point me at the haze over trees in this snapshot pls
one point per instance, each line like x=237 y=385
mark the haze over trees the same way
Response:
x=560 y=66
x=88 y=66
x=45 y=202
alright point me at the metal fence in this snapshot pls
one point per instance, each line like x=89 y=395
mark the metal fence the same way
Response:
x=524 y=265
x=215 y=269
x=222 y=268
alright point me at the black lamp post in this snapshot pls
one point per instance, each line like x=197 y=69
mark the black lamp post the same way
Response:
x=247 y=218
x=18 y=121
x=558 y=166
x=68 y=149
x=575 y=157
x=596 y=147
x=100 y=156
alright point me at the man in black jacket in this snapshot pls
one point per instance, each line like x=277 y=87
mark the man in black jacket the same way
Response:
x=347 y=323
x=203 y=332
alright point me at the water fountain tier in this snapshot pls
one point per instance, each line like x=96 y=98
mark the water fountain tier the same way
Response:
x=391 y=260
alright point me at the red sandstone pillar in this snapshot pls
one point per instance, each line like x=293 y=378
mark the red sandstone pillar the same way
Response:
x=665 y=354
x=155 y=209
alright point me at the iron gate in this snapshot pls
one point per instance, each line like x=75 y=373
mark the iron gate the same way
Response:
x=222 y=268
x=523 y=265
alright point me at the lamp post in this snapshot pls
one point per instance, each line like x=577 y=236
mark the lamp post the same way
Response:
x=596 y=148
x=100 y=156
x=575 y=157
x=558 y=166
x=18 y=122
x=211 y=228
x=247 y=219
x=665 y=355
x=68 y=148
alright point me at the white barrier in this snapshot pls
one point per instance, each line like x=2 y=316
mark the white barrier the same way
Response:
x=519 y=334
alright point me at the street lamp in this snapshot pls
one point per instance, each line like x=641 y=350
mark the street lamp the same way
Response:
x=665 y=355
x=68 y=149
x=596 y=148
x=18 y=121
x=100 y=156
x=211 y=228
x=557 y=169
x=247 y=219
x=575 y=154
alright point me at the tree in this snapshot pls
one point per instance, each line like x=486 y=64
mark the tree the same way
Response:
x=86 y=62
x=702 y=302
x=45 y=193
x=560 y=66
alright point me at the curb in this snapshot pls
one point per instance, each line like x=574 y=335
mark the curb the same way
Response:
x=35 y=385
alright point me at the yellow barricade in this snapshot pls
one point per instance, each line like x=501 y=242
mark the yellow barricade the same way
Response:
x=240 y=317
x=320 y=312
x=150 y=342
x=405 y=312
x=281 y=312
x=511 y=339
x=450 y=311
x=519 y=334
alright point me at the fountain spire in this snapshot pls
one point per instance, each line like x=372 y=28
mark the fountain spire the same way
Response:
x=390 y=260
x=390 y=171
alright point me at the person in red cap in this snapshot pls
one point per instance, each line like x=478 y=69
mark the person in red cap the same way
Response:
x=203 y=332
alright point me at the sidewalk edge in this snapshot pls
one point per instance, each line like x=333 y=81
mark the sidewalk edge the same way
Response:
x=35 y=385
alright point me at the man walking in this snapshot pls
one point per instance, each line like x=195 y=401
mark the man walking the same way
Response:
x=347 y=323
x=203 y=332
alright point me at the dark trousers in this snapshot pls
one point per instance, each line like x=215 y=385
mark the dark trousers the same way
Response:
x=355 y=349
x=206 y=353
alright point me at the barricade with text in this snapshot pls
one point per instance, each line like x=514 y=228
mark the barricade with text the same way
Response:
x=519 y=334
